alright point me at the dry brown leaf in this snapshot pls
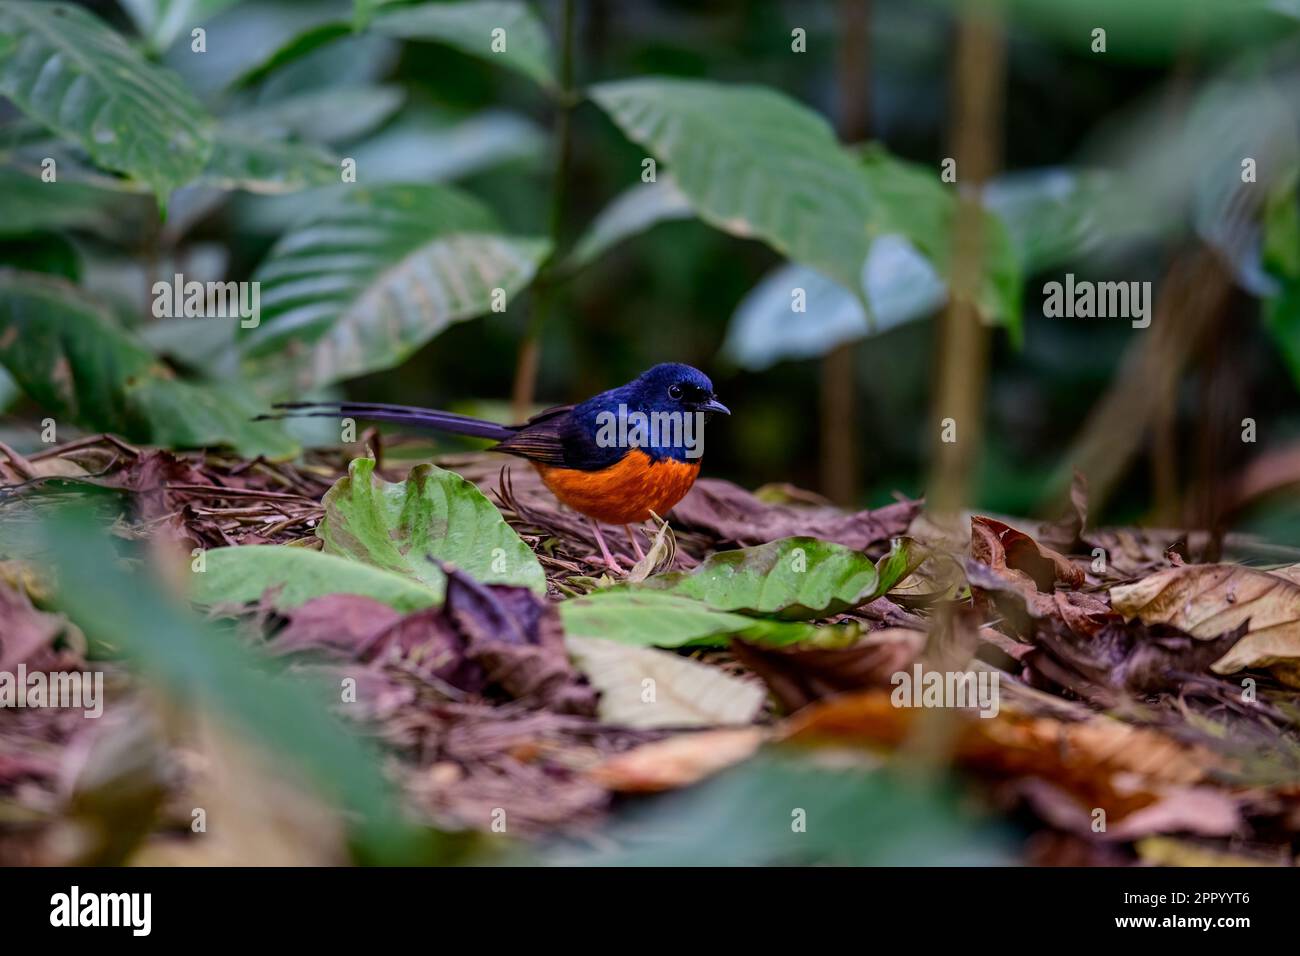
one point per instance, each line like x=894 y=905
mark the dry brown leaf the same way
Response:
x=678 y=761
x=23 y=629
x=732 y=515
x=647 y=687
x=798 y=676
x=1207 y=600
x=1015 y=553
x=1167 y=851
x=1101 y=761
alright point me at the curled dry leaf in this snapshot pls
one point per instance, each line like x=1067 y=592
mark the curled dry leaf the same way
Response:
x=799 y=676
x=678 y=761
x=1016 y=555
x=1207 y=600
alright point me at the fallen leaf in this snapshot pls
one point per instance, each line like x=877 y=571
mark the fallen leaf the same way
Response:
x=1207 y=600
x=799 y=676
x=1167 y=851
x=407 y=527
x=1101 y=761
x=677 y=762
x=484 y=638
x=791 y=579
x=734 y=516
x=23 y=629
x=1014 y=553
x=644 y=687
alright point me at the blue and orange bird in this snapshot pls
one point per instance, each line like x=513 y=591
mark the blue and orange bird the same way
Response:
x=614 y=458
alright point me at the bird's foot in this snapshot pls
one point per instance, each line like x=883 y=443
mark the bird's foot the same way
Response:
x=611 y=562
x=636 y=545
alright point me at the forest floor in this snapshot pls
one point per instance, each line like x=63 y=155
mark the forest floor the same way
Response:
x=1146 y=708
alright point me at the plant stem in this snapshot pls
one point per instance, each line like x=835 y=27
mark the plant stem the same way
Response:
x=962 y=343
x=839 y=385
x=543 y=298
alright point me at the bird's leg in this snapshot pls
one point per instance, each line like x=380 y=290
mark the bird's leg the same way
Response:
x=610 y=561
x=636 y=545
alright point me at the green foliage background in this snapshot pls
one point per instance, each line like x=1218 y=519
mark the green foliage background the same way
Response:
x=224 y=164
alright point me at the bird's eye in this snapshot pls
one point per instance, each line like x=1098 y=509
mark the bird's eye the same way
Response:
x=675 y=391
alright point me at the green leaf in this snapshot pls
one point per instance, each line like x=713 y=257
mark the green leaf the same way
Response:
x=328 y=115
x=755 y=163
x=687 y=693
x=900 y=286
x=68 y=354
x=651 y=618
x=241 y=575
x=1281 y=256
x=295 y=48
x=857 y=815
x=632 y=212
x=248 y=160
x=790 y=579
x=160 y=22
x=196 y=664
x=1282 y=227
x=1057 y=216
x=469 y=28
x=367 y=280
x=648 y=618
x=1282 y=319
x=433 y=514
x=32 y=205
x=70 y=72
x=914 y=203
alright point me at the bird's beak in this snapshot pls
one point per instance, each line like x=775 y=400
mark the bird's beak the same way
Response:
x=713 y=405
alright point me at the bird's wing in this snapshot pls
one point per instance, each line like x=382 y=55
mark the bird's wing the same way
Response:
x=549 y=437
x=562 y=437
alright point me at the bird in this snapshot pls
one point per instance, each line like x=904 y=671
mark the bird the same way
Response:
x=616 y=458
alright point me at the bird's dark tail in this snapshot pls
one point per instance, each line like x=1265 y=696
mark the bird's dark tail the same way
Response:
x=400 y=414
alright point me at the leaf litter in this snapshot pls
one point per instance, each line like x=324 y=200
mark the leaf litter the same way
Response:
x=1155 y=688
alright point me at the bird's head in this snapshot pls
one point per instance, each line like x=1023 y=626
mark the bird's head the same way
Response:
x=675 y=387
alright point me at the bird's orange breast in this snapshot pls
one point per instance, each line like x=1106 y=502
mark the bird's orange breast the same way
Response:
x=624 y=493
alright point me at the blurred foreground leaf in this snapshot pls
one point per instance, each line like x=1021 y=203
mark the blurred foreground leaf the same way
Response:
x=785 y=807
x=198 y=665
